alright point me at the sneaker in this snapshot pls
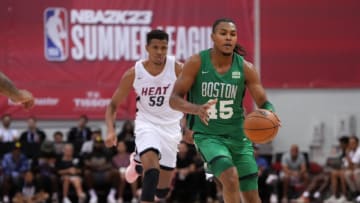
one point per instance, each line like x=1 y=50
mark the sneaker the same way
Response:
x=66 y=200
x=6 y=199
x=120 y=200
x=357 y=199
x=130 y=174
x=271 y=179
x=134 y=200
x=331 y=199
x=93 y=199
x=317 y=195
x=111 y=199
x=273 y=198
x=342 y=199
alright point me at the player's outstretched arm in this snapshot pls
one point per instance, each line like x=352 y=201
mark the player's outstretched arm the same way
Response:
x=183 y=85
x=8 y=89
x=118 y=97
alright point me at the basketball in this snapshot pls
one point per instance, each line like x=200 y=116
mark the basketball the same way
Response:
x=261 y=126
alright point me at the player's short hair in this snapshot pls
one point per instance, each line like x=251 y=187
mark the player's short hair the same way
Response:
x=156 y=34
x=221 y=20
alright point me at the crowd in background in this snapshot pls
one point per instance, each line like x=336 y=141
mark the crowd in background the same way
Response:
x=77 y=167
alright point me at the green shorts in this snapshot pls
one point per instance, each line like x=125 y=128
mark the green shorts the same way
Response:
x=238 y=149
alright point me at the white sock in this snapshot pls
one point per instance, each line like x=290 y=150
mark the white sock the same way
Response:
x=112 y=192
x=317 y=195
x=306 y=194
x=92 y=192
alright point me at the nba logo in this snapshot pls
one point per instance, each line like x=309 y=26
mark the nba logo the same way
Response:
x=56 y=34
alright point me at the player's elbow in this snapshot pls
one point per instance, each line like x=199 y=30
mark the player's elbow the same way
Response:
x=111 y=107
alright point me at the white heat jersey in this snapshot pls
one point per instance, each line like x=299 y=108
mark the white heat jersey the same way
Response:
x=153 y=94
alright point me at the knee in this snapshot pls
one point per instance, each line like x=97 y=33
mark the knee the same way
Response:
x=230 y=178
x=65 y=179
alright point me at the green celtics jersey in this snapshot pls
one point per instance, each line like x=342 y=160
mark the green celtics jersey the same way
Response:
x=226 y=117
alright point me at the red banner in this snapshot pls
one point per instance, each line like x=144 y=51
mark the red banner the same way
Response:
x=308 y=44
x=72 y=54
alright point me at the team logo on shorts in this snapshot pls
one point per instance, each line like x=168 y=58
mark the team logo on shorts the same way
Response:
x=56 y=34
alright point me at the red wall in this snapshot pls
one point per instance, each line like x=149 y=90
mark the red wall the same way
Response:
x=310 y=43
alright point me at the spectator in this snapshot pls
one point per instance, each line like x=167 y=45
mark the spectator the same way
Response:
x=294 y=170
x=88 y=146
x=8 y=134
x=33 y=134
x=127 y=135
x=121 y=161
x=46 y=173
x=70 y=173
x=337 y=173
x=98 y=167
x=59 y=143
x=30 y=192
x=263 y=172
x=352 y=173
x=184 y=190
x=317 y=186
x=14 y=165
x=81 y=132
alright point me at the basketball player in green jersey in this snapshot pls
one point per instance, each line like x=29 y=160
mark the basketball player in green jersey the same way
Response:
x=215 y=81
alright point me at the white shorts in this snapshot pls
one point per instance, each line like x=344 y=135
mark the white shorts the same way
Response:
x=165 y=139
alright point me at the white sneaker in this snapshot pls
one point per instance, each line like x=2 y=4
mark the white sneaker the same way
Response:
x=342 y=199
x=6 y=199
x=130 y=174
x=66 y=200
x=93 y=199
x=271 y=178
x=273 y=198
x=111 y=199
x=134 y=200
x=317 y=195
x=331 y=199
x=357 y=199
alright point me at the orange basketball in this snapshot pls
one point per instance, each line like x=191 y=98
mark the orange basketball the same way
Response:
x=261 y=126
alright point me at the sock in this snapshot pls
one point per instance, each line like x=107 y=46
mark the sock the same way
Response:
x=92 y=192
x=112 y=191
x=317 y=195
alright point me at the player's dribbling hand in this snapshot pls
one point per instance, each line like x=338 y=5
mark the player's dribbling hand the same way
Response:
x=25 y=98
x=203 y=112
x=111 y=140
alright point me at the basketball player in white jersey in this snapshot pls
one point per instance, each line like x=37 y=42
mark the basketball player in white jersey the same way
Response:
x=157 y=126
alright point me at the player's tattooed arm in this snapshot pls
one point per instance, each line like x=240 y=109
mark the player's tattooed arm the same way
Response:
x=7 y=87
